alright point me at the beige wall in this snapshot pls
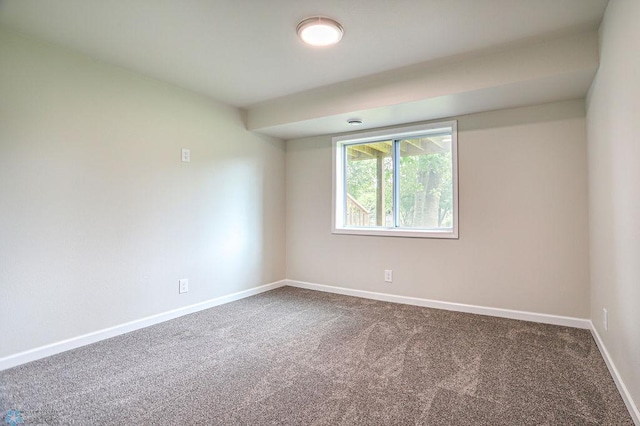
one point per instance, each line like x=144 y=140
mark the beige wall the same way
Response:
x=523 y=220
x=98 y=216
x=614 y=189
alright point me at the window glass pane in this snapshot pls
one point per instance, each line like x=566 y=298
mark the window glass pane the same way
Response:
x=425 y=182
x=369 y=184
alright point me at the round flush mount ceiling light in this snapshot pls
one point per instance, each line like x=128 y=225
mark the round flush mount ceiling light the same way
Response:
x=320 y=31
x=354 y=121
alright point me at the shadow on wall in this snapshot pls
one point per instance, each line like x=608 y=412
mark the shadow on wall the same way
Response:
x=233 y=240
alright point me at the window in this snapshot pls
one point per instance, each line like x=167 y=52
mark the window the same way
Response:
x=398 y=182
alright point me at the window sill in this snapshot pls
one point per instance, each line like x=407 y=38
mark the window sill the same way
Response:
x=395 y=232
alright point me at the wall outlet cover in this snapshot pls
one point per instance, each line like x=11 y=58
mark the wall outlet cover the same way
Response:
x=183 y=286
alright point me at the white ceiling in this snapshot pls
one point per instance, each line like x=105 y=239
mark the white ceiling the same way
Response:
x=242 y=52
x=549 y=71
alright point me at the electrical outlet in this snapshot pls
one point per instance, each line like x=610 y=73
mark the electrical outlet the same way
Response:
x=183 y=286
x=186 y=155
x=388 y=275
x=605 y=319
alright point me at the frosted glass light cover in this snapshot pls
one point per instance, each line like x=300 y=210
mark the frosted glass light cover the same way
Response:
x=318 y=31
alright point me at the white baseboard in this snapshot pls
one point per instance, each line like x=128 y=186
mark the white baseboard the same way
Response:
x=449 y=306
x=86 y=339
x=624 y=392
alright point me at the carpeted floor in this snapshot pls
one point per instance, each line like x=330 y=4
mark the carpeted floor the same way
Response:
x=293 y=356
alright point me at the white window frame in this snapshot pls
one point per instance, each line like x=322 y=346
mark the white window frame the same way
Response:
x=338 y=190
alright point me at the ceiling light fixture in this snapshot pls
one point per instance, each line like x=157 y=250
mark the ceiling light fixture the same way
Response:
x=320 y=31
x=354 y=121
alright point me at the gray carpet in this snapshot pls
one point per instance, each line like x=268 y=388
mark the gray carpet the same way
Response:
x=293 y=356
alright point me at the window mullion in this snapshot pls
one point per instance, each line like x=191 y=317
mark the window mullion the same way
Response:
x=344 y=183
x=396 y=182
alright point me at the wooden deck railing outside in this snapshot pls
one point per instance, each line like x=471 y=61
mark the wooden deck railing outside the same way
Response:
x=357 y=214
